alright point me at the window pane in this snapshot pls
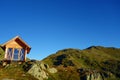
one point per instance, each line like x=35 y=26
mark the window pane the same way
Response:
x=22 y=54
x=16 y=52
x=9 y=53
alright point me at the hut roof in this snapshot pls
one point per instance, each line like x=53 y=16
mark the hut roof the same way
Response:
x=19 y=41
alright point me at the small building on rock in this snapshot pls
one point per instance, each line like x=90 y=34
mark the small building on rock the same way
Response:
x=16 y=49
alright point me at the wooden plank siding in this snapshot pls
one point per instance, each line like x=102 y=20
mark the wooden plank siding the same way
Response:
x=16 y=49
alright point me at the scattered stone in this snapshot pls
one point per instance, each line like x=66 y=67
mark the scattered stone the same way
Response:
x=52 y=70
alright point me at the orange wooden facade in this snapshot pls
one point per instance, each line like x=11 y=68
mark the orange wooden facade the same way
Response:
x=16 y=49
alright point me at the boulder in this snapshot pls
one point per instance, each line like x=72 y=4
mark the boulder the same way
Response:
x=37 y=72
x=40 y=70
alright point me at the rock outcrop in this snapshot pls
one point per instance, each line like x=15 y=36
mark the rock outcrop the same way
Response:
x=41 y=71
x=94 y=76
x=88 y=74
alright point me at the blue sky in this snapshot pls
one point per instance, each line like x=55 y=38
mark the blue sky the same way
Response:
x=51 y=25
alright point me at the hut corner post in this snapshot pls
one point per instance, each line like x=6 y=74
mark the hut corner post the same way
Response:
x=25 y=54
x=5 y=57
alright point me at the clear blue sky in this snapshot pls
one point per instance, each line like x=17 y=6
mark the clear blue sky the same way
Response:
x=51 y=25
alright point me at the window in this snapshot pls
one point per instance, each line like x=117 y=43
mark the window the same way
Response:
x=17 y=54
x=9 y=53
x=22 y=51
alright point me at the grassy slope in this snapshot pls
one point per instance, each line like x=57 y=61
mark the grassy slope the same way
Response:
x=14 y=71
x=67 y=62
x=95 y=57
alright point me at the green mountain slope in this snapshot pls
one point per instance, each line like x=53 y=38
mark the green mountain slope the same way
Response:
x=72 y=64
x=93 y=63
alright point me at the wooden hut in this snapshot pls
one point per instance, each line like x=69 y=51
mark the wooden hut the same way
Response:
x=16 y=49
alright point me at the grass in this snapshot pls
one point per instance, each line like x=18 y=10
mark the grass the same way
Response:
x=14 y=71
x=106 y=60
x=103 y=59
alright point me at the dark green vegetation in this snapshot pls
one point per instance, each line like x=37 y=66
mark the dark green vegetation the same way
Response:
x=1 y=54
x=72 y=64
